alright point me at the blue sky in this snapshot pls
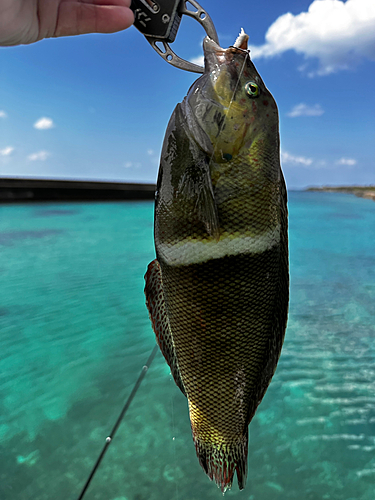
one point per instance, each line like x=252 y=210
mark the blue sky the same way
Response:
x=96 y=106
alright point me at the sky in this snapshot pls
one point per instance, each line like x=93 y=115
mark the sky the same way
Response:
x=96 y=106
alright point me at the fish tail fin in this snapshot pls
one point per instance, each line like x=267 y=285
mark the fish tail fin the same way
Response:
x=220 y=462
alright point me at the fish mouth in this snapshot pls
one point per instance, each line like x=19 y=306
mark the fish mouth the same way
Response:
x=211 y=96
x=214 y=55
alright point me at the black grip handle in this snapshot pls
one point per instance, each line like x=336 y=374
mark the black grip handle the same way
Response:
x=157 y=19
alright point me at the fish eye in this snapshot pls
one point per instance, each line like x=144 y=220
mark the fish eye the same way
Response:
x=252 y=89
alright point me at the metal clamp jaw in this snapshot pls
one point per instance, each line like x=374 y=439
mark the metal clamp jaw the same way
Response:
x=159 y=20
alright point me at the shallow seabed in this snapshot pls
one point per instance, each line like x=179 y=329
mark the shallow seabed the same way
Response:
x=74 y=335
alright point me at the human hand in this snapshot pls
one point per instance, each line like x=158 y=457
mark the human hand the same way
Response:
x=27 y=21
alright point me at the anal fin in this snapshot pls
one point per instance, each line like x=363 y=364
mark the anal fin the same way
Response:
x=158 y=314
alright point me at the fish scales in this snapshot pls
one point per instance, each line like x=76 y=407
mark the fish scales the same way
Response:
x=218 y=291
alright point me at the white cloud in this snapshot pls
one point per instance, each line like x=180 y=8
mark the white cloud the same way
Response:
x=154 y=158
x=346 y=161
x=338 y=34
x=40 y=155
x=302 y=161
x=305 y=110
x=295 y=160
x=6 y=151
x=131 y=164
x=44 y=123
x=199 y=60
x=3 y=114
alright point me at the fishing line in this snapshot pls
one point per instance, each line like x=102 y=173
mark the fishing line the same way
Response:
x=109 y=439
x=174 y=446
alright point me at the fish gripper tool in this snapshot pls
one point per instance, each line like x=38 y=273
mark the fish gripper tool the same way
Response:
x=159 y=20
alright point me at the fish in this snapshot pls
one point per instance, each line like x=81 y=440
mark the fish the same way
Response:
x=218 y=291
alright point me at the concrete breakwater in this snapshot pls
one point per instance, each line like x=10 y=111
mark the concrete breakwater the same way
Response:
x=16 y=190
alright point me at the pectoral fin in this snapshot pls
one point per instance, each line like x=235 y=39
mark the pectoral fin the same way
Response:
x=195 y=182
x=159 y=318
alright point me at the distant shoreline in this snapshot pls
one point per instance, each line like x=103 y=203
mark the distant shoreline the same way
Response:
x=367 y=192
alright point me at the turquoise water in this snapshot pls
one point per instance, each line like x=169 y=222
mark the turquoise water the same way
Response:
x=74 y=335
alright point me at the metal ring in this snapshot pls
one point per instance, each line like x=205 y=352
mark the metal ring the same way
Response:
x=171 y=57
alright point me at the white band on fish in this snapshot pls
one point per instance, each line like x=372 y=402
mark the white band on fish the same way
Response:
x=195 y=252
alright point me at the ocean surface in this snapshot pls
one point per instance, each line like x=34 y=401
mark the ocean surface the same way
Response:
x=75 y=333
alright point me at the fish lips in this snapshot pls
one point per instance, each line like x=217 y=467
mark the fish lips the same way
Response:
x=214 y=55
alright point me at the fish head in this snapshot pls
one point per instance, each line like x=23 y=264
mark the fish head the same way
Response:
x=231 y=103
